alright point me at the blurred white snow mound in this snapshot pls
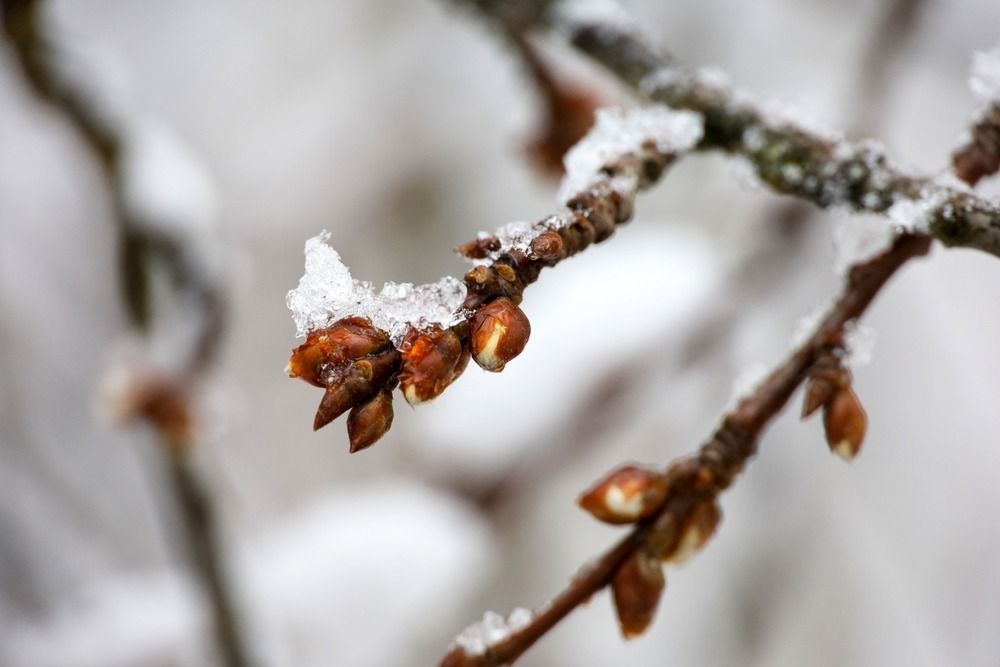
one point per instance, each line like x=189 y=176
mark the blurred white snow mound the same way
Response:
x=391 y=549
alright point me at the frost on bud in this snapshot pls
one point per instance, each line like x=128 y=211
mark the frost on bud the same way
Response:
x=698 y=529
x=627 y=495
x=370 y=421
x=845 y=422
x=432 y=360
x=327 y=350
x=636 y=589
x=499 y=333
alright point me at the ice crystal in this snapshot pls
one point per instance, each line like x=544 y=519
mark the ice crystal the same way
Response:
x=493 y=629
x=617 y=132
x=604 y=13
x=859 y=344
x=327 y=292
x=915 y=215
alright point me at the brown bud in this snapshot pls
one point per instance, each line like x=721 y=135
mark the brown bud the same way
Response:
x=627 y=495
x=480 y=248
x=326 y=350
x=845 y=422
x=355 y=384
x=335 y=402
x=370 y=421
x=698 y=529
x=819 y=391
x=636 y=588
x=548 y=246
x=499 y=333
x=432 y=360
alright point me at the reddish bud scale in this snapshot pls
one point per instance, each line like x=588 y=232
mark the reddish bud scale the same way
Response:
x=370 y=421
x=334 y=347
x=845 y=422
x=355 y=385
x=498 y=333
x=626 y=495
x=636 y=589
x=698 y=529
x=432 y=360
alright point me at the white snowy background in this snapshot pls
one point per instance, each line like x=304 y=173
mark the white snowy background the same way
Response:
x=397 y=125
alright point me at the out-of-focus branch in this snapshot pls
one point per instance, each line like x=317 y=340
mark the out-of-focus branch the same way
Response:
x=140 y=242
x=693 y=482
x=163 y=400
x=980 y=157
x=789 y=159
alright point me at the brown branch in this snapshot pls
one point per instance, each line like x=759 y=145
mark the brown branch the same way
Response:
x=699 y=479
x=163 y=401
x=140 y=244
x=354 y=362
x=980 y=157
x=789 y=159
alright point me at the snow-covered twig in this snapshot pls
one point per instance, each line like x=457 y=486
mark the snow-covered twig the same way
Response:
x=360 y=343
x=671 y=525
x=826 y=171
x=980 y=156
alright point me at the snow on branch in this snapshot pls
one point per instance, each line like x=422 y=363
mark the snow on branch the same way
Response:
x=676 y=510
x=825 y=170
x=360 y=343
x=980 y=156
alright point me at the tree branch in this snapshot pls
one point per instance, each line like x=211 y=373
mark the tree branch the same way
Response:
x=693 y=481
x=791 y=160
x=164 y=401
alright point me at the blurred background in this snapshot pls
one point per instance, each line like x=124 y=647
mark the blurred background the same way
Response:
x=400 y=127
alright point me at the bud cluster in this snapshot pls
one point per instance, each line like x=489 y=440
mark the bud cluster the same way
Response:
x=358 y=367
x=354 y=362
x=844 y=419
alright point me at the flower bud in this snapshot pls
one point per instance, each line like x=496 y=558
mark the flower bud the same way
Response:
x=845 y=422
x=636 y=588
x=432 y=360
x=627 y=495
x=333 y=347
x=819 y=391
x=370 y=421
x=499 y=332
x=353 y=385
x=698 y=529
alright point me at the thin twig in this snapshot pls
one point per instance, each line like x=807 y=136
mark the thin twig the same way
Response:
x=712 y=470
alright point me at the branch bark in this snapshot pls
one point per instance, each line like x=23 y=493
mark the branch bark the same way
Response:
x=702 y=477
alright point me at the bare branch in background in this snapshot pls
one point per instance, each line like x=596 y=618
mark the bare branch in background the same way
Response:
x=162 y=398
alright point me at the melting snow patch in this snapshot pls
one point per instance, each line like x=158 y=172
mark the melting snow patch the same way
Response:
x=493 y=629
x=327 y=293
x=859 y=344
x=617 y=132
